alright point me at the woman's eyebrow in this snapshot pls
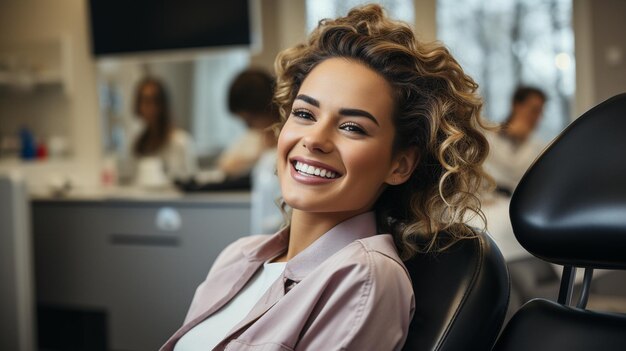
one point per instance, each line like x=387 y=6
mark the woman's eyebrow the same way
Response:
x=358 y=113
x=344 y=111
x=308 y=99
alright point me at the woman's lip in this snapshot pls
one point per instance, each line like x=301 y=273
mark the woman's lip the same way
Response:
x=316 y=164
x=307 y=179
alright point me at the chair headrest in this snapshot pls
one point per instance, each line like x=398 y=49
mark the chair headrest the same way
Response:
x=570 y=206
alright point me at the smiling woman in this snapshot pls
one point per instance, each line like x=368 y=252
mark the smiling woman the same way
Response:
x=435 y=119
x=379 y=150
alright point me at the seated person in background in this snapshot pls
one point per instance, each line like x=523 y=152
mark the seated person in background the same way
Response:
x=379 y=150
x=160 y=141
x=250 y=98
x=512 y=148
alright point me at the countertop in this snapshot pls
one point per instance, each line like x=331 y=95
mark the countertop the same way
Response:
x=126 y=194
x=67 y=181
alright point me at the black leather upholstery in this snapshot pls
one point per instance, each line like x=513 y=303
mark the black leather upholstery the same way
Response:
x=570 y=207
x=542 y=325
x=461 y=297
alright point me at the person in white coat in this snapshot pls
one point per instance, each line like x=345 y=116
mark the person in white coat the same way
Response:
x=512 y=149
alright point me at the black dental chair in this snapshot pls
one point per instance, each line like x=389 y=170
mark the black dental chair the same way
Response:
x=461 y=297
x=570 y=209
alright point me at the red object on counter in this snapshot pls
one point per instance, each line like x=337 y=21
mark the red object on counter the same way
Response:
x=42 y=151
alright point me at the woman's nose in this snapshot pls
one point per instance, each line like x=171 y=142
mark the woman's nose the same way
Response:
x=318 y=139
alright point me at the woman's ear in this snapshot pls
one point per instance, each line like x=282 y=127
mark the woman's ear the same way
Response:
x=403 y=166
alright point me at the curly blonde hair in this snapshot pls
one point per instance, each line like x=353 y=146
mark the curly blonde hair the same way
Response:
x=437 y=110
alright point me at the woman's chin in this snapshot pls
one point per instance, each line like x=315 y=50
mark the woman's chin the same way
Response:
x=307 y=205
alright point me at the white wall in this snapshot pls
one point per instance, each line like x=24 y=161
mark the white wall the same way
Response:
x=599 y=29
x=26 y=20
x=426 y=19
x=608 y=20
x=284 y=24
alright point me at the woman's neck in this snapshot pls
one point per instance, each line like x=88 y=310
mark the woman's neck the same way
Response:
x=306 y=227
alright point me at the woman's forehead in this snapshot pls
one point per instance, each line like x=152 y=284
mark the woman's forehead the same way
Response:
x=342 y=83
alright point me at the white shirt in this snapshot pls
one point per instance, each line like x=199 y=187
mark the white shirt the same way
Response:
x=266 y=216
x=241 y=156
x=179 y=155
x=207 y=334
x=507 y=162
x=177 y=158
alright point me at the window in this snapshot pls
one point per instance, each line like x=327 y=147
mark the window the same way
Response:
x=213 y=126
x=506 y=43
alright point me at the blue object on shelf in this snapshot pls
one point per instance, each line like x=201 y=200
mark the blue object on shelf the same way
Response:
x=29 y=147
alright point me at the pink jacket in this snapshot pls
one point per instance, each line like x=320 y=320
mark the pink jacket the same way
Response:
x=347 y=291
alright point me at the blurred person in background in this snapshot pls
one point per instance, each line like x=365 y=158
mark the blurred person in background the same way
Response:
x=249 y=161
x=250 y=98
x=512 y=147
x=160 y=139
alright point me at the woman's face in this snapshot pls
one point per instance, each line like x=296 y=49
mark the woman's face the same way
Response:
x=149 y=106
x=335 y=149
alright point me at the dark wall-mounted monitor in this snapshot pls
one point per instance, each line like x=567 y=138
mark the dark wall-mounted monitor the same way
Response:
x=135 y=26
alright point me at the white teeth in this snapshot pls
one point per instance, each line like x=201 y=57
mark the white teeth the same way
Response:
x=311 y=170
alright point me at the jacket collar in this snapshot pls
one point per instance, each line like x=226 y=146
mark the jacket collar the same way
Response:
x=344 y=233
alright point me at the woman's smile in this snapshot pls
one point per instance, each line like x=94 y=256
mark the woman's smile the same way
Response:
x=312 y=172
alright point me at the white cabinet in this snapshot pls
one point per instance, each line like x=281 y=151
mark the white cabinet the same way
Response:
x=27 y=64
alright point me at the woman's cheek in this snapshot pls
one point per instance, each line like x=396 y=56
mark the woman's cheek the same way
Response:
x=287 y=138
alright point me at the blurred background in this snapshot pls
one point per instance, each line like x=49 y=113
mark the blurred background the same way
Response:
x=68 y=70
x=104 y=238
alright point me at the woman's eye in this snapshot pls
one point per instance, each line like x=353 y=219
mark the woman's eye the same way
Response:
x=353 y=128
x=304 y=114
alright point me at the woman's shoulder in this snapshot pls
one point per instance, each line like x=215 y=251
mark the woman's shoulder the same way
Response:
x=373 y=258
x=367 y=273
